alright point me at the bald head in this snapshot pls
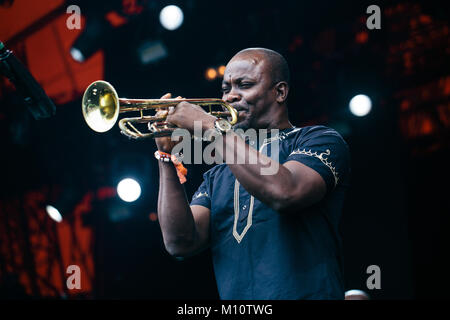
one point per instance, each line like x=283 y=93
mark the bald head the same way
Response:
x=256 y=83
x=277 y=64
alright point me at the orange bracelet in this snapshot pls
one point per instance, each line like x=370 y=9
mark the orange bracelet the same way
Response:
x=181 y=170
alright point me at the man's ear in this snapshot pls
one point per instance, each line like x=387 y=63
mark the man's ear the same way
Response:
x=282 y=89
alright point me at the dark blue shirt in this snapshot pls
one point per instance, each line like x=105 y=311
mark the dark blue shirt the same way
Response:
x=261 y=254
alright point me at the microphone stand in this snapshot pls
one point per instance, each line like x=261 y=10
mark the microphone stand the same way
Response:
x=36 y=100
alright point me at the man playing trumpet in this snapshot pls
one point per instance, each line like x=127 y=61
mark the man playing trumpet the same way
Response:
x=272 y=236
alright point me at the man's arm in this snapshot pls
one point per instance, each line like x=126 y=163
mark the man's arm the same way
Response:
x=294 y=185
x=185 y=229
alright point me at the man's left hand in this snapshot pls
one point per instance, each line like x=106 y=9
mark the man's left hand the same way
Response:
x=185 y=114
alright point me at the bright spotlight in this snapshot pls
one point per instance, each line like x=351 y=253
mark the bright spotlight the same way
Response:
x=221 y=70
x=360 y=105
x=53 y=213
x=76 y=54
x=171 y=17
x=128 y=190
x=210 y=74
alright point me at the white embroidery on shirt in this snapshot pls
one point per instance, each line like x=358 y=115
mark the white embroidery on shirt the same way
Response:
x=321 y=157
x=201 y=194
x=237 y=236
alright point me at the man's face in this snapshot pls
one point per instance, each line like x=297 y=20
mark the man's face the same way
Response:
x=247 y=85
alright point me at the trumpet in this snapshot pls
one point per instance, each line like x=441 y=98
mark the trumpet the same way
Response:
x=101 y=107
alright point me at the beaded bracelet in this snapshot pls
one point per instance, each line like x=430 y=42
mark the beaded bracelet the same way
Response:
x=166 y=157
x=162 y=156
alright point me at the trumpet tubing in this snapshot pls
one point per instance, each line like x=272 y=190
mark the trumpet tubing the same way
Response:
x=101 y=107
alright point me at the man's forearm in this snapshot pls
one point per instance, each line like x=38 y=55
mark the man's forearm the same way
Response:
x=174 y=213
x=247 y=165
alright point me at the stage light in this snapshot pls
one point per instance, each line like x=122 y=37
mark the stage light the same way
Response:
x=152 y=51
x=118 y=213
x=96 y=33
x=53 y=213
x=221 y=70
x=62 y=202
x=360 y=105
x=171 y=17
x=76 y=55
x=210 y=74
x=129 y=190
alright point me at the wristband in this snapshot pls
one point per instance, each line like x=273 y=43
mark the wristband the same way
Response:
x=162 y=156
x=166 y=157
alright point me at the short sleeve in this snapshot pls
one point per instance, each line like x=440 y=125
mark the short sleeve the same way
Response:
x=326 y=152
x=202 y=196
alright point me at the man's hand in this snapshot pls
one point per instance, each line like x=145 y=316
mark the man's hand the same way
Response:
x=184 y=115
x=165 y=144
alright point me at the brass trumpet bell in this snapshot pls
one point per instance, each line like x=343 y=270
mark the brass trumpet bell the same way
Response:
x=100 y=106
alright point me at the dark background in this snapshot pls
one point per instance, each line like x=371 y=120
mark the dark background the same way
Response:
x=396 y=214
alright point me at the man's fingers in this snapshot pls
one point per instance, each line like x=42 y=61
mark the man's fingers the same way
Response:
x=172 y=109
x=162 y=112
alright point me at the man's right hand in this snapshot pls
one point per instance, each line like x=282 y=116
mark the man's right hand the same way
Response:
x=165 y=144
